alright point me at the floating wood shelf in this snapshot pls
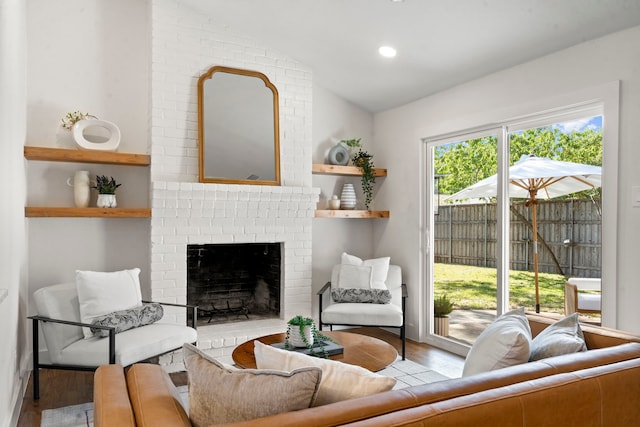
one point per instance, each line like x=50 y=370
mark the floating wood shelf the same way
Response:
x=322 y=169
x=51 y=154
x=42 y=212
x=351 y=214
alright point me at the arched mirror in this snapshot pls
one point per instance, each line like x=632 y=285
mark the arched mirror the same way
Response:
x=239 y=136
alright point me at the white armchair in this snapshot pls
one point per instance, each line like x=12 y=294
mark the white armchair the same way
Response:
x=366 y=314
x=581 y=302
x=59 y=316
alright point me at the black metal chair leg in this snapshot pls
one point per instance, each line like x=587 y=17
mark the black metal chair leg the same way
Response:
x=36 y=361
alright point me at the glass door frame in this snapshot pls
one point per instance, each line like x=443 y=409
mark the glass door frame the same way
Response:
x=502 y=228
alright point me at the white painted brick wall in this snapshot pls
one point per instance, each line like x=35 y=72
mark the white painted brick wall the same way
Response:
x=185 y=44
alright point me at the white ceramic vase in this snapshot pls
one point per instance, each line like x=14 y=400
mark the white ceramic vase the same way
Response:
x=106 y=201
x=81 y=188
x=348 y=197
x=339 y=154
x=295 y=339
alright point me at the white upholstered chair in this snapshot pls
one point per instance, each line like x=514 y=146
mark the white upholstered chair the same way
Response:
x=581 y=302
x=59 y=316
x=366 y=314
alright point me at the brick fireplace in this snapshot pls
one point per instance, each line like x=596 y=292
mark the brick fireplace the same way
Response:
x=185 y=212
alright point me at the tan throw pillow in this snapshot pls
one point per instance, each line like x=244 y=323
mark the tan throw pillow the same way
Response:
x=221 y=394
x=340 y=381
x=505 y=342
x=563 y=337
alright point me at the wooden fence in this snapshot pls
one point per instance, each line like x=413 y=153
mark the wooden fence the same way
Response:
x=572 y=230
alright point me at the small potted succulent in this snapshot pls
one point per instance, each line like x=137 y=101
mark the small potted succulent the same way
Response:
x=442 y=307
x=106 y=191
x=302 y=332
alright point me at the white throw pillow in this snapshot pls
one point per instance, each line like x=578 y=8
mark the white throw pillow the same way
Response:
x=505 y=342
x=563 y=337
x=355 y=276
x=103 y=293
x=379 y=268
x=340 y=381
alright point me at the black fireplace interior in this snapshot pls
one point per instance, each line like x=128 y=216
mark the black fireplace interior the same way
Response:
x=234 y=282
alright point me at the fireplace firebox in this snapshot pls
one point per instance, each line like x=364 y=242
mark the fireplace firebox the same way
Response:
x=234 y=282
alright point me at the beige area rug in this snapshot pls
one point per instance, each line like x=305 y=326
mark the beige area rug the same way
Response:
x=406 y=372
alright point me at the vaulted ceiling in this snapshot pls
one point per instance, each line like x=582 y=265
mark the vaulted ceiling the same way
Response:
x=439 y=43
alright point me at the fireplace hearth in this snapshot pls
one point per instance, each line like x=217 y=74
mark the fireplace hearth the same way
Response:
x=234 y=282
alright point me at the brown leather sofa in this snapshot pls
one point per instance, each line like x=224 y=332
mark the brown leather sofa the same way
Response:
x=599 y=387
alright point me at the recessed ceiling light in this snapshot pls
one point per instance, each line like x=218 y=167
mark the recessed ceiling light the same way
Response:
x=387 y=51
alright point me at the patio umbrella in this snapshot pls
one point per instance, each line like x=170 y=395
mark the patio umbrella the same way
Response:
x=535 y=178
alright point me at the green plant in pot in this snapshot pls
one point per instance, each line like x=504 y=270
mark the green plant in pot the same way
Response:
x=364 y=161
x=351 y=144
x=106 y=191
x=442 y=307
x=302 y=332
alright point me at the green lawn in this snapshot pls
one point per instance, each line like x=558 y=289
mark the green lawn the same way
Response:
x=475 y=288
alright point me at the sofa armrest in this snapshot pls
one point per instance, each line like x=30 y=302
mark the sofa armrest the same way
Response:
x=154 y=397
x=111 y=404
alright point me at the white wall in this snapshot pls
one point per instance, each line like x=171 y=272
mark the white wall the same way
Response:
x=498 y=97
x=336 y=119
x=92 y=56
x=12 y=229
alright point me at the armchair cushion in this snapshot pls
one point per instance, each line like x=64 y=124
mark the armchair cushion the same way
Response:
x=123 y=320
x=379 y=269
x=103 y=293
x=354 y=276
x=372 y=296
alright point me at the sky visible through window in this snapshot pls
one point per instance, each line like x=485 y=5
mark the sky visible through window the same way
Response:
x=589 y=123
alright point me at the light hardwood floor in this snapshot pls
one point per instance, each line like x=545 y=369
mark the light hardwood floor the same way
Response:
x=63 y=388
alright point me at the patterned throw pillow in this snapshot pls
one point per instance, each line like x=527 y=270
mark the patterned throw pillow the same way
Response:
x=123 y=320
x=372 y=296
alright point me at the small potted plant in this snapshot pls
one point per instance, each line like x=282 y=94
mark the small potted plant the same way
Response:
x=442 y=307
x=106 y=191
x=302 y=332
x=364 y=161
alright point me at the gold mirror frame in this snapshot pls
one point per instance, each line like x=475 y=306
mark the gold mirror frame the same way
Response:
x=204 y=146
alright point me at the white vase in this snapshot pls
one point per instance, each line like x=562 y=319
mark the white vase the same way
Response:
x=339 y=154
x=81 y=188
x=106 y=201
x=295 y=339
x=348 y=197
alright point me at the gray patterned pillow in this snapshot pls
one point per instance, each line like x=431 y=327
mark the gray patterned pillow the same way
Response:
x=372 y=296
x=123 y=320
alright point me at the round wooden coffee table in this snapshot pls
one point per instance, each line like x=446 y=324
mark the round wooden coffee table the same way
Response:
x=361 y=350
